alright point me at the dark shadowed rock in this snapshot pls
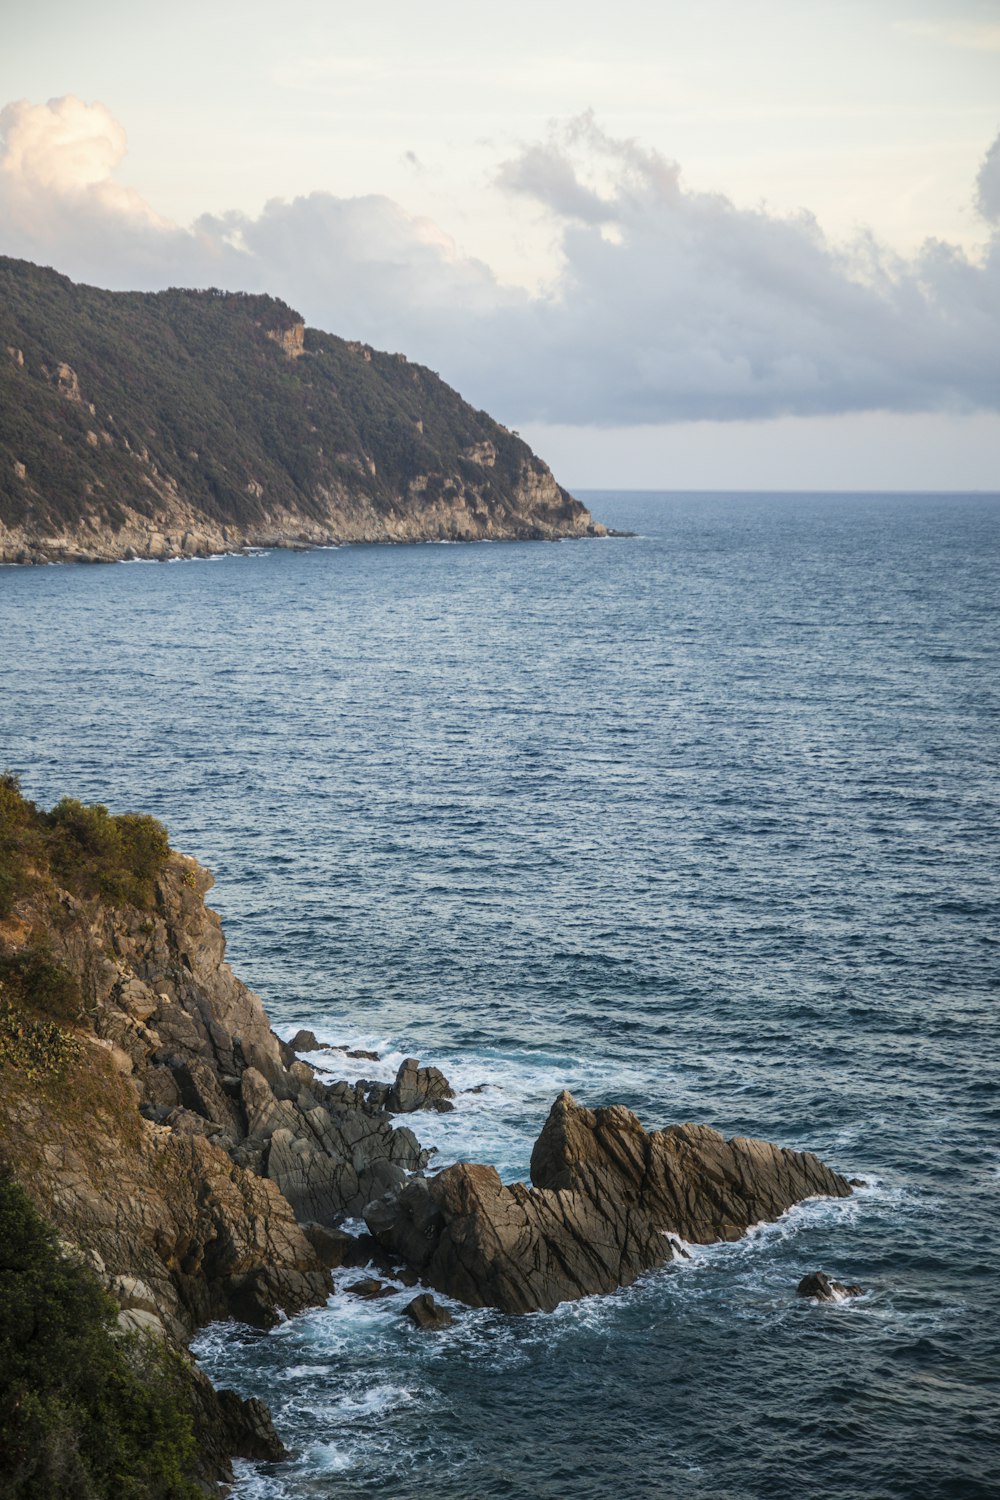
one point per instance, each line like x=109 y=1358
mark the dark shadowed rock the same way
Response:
x=333 y=1247
x=606 y=1197
x=821 y=1287
x=249 y=1428
x=370 y=1289
x=426 y=1313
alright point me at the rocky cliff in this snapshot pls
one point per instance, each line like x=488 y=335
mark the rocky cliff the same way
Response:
x=152 y=1115
x=202 y=1170
x=183 y=423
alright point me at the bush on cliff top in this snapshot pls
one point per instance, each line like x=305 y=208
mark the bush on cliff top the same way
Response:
x=86 y=849
x=84 y=1410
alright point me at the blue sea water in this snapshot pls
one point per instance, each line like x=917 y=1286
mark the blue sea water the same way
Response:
x=704 y=821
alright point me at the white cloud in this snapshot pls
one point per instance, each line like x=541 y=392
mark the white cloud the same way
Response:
x=61 y=155
x=669 y=304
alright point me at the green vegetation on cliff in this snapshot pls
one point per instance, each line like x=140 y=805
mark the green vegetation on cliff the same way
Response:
x=188 y=406
x=86 y=849
x=85 y=1410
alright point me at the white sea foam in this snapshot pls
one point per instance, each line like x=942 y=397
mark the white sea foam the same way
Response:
x=500 y=1121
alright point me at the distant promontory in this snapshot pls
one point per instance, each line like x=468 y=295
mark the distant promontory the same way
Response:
x=184 y=423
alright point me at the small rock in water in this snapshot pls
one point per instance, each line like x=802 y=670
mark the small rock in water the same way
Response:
x=820 y=1287
x=360 y=1055
x=426 y=1313
x=370 y=1289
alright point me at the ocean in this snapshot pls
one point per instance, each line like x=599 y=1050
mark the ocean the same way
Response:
x=704 y=821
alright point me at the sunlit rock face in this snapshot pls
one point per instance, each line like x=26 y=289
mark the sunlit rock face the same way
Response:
x=607 y=1200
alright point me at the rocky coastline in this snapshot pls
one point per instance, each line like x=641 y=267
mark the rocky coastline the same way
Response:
x=205 y=1171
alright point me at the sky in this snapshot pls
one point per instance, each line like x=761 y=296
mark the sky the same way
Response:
x=743 y=244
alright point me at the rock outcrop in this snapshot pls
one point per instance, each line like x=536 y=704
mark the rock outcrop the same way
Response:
x=821 y=1288
x=605 y=1201
x=162 y=1128
x=425 y=1313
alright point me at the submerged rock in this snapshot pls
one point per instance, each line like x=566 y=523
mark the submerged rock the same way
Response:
x=605 y=1200
x=822 y=1288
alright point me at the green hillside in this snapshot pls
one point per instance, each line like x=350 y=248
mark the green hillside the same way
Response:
x=116 y=407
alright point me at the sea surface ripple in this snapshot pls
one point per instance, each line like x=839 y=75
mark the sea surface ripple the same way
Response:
x=704 y=821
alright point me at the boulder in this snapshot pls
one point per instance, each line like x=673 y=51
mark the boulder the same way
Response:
x=305 y=1041
x=606 y=1200
x=418 y=1088
x=822 y=1288
x=370 y=1288
x=426 y=1313
x=333 y=1247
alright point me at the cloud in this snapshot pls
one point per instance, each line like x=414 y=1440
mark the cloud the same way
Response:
x=988 y=184
x=61 y=155
x=669 y=304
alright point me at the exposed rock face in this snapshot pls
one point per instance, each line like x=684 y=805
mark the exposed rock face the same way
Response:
x=216 y=1141
x=606 y=1198
x=820 y=1287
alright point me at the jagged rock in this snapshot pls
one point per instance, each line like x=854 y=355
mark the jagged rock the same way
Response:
x=820 y=1287
x=418 y=1088
x=426 y=1313
x=228 y=1426
x=187 y=1122
x=184 y=1140
x=606 y=1198
x=249 y=1428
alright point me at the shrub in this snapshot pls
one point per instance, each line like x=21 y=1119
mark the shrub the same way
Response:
x=85 y=1411
x=20 y=842
x=35 y=1049
x=33 y=980
x=117 y=858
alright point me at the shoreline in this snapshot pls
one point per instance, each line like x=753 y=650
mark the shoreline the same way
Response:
x=38 y=555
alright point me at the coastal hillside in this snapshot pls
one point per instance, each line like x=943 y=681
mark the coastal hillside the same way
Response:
x=182 y=423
